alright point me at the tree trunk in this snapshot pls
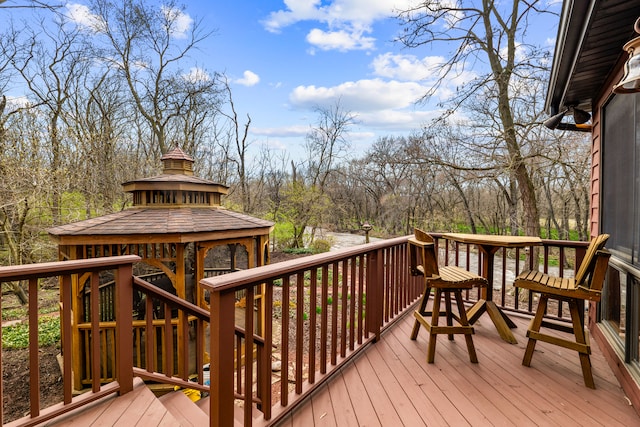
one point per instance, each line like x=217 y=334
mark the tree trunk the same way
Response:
x=19 y=292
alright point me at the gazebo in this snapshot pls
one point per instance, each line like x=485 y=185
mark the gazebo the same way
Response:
x=181 y=232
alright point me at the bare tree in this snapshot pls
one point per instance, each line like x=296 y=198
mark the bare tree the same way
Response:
x=32 y=4
x=24 y=190
x=327 y=146
x=236 y=143
x=327 y=143
x=49 y=60
x=98 y=120
x=487 y=32
x=148 y=45
x=564 y=177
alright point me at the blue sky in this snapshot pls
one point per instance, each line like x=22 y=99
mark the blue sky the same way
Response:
x=283 y=58
x=303 y=53
x=299 y=55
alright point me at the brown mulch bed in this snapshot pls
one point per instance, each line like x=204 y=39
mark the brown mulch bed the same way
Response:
x=15 y=377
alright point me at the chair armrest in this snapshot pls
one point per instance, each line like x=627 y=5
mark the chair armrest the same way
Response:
x=416 y=246
x=599 y=271
x=419 y=243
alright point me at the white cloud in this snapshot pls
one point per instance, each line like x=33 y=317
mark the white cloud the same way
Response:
x=197 y=75
x=178 y=22
x=82 y=16
x=347 y=21
x=361 y=95
x=297 y=10
x=395 y=119
x=249 y=78
x=340 y=40
x=283 y=132
x=407 y=67
x=363 y=12
x=428 y=71
x=389 y=101
x=14 y=102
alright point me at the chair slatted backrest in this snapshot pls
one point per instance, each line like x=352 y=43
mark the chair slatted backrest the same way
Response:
x=429 y=258
x=589 y=261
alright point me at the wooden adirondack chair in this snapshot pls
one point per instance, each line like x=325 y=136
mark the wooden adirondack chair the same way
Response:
x=444 y=281
x=587 y=285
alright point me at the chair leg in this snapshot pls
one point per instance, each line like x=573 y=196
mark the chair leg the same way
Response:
x=435 y=314
x=448 y=312
x=536 y=323
x=422 y=310
x=465 y=322
x=577 y=317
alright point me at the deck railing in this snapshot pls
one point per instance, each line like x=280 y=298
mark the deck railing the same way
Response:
x=320 y=311
x=68 y=271
x=317 y=313
x=159 y=357
x=313 y=315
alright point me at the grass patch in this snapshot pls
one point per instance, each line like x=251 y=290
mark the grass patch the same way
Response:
x=17 y=336
x=298 y=251
x=23 y=312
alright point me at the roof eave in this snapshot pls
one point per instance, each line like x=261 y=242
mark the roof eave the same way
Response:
x=132 y=186
x=569 y=43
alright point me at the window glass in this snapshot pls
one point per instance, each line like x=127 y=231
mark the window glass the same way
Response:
x=613 y=303
x=621 y=176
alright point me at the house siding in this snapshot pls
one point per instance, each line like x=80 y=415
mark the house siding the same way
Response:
x=617 y=364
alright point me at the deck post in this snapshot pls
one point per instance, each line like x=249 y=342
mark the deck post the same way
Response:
x=375 y=295
x=124 y=320
x=221 y=345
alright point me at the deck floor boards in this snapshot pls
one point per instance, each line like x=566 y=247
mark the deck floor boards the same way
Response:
x=391 y=384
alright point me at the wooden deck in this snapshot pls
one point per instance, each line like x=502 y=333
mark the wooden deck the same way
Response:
x=392 y=385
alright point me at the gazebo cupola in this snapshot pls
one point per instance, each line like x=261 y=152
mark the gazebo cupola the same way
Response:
x=176 y=186
x=177 y=161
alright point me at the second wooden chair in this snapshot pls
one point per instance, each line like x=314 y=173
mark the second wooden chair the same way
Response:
x=586 y=286
x=444 y=281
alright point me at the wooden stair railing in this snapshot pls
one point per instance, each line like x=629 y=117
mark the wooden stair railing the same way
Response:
x=198 y=319
x=66 y=270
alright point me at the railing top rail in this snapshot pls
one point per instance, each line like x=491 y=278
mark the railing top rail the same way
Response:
x=545 y=242
x=240 y=279
x=565 y=243
x=243 y=278
x=47 y=269
x=171 y=299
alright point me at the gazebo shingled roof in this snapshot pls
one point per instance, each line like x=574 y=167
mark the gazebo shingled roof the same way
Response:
x=138 y=224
